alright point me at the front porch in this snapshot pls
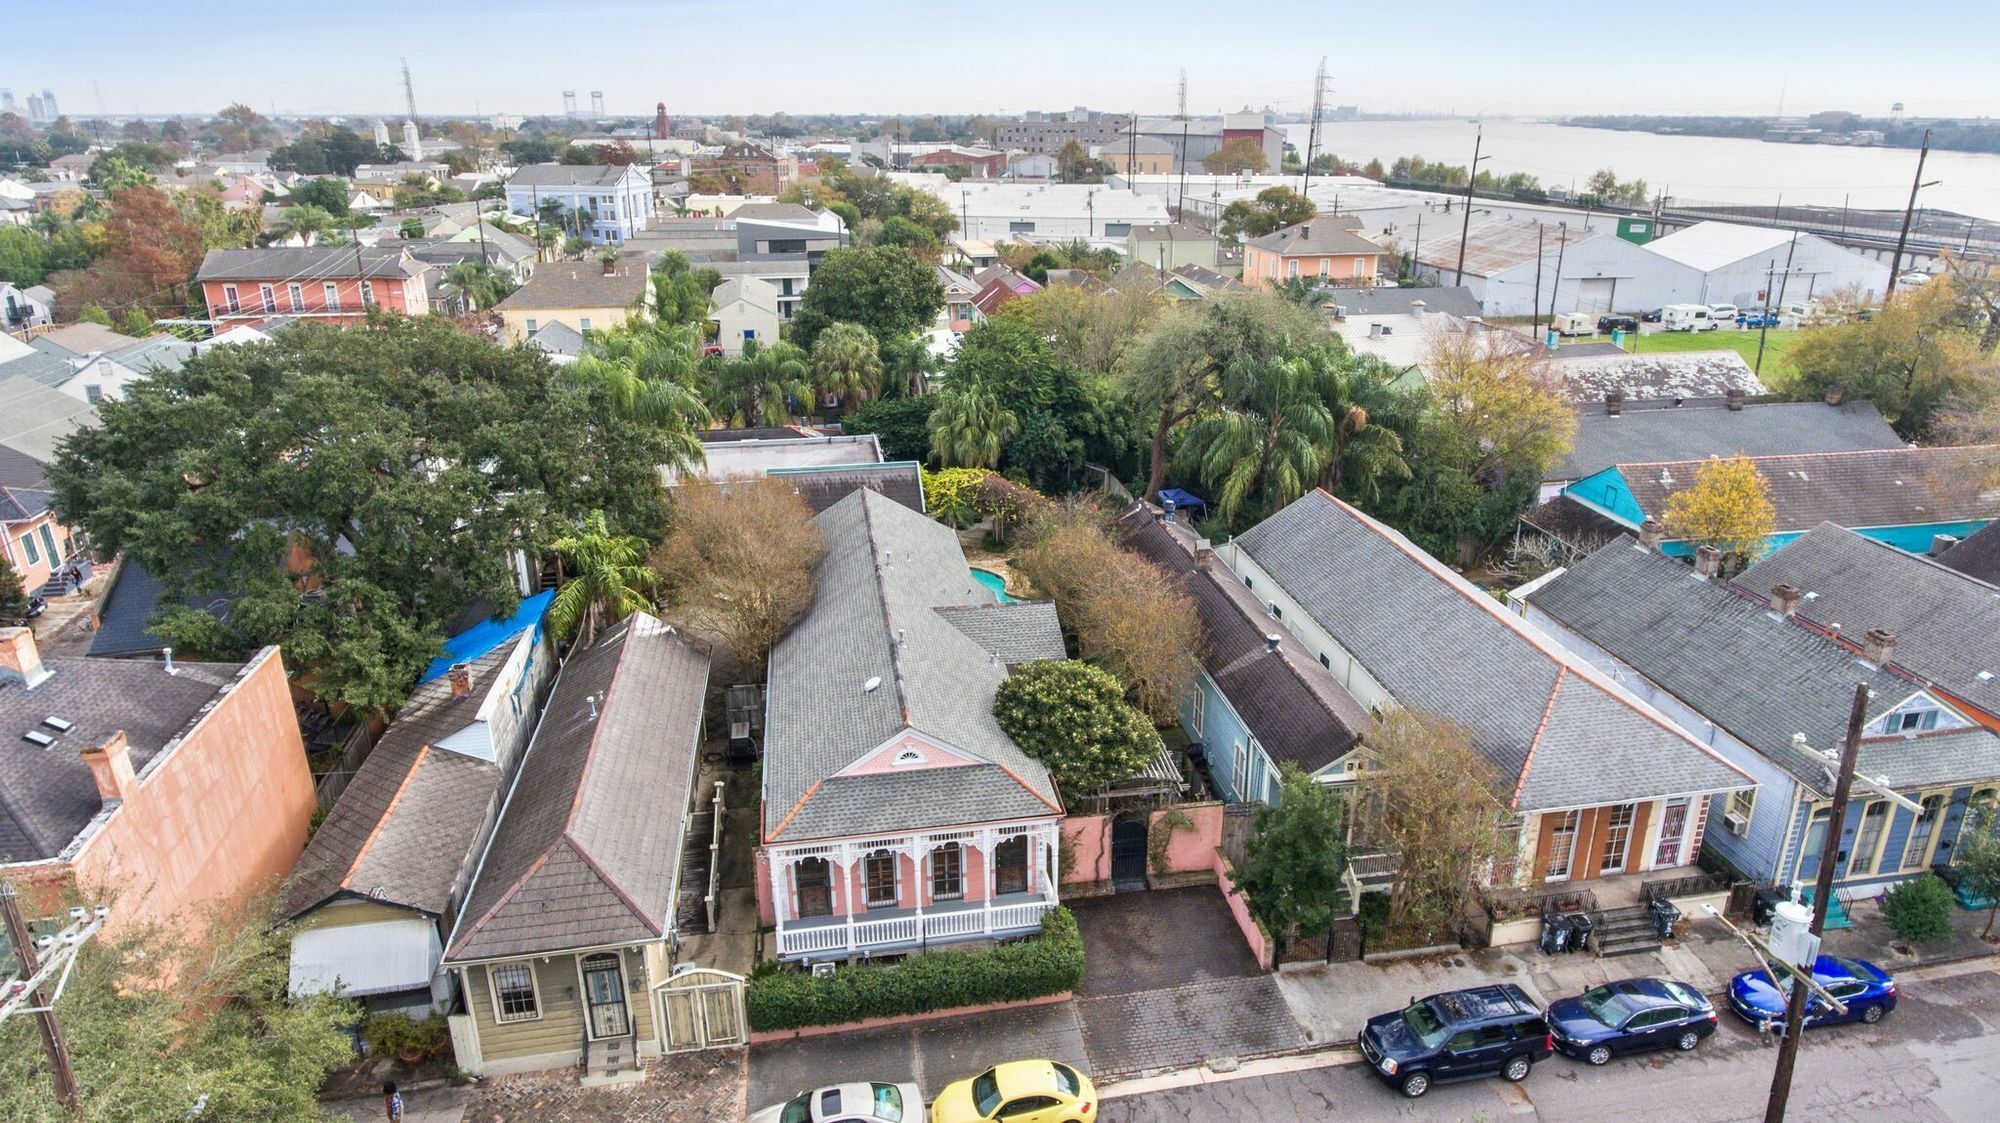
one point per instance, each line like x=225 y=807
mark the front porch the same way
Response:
x=884 y=931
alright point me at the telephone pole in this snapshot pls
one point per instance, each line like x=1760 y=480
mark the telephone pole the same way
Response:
x=1829 y=855
x=1465 y=226
x=1903 y=239
x=53 y=1043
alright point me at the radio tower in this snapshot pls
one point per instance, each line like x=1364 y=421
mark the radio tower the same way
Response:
x=409 y=91
x=1183 y=114
x=1312 y=135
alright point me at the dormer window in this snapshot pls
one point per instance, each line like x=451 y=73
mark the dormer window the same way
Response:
x=1912 y=721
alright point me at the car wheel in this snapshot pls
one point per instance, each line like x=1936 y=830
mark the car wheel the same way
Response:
x=1688 y=1041
x=1872 y=1015
x=1416 y=1084
x=1517 y=1069
x=1599 y=1056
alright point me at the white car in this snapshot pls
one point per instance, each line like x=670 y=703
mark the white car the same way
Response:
x=1722 y=314
x=849 y=1103
x=1912 y=280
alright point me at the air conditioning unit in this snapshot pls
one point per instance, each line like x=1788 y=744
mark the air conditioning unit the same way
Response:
x=823 y=970
x=1737 y=824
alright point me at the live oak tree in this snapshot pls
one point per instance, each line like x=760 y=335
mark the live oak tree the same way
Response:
x=886 y=289
x=1294 y=858
x=1272 y=209
x=1240 y=154
x=1432 y=799
x=1073 y=717
x=352 y=492
x=737 y=563
x=1727 y=507
x=1918 y=356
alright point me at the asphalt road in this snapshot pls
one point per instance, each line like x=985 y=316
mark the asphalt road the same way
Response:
x=1933 y=1059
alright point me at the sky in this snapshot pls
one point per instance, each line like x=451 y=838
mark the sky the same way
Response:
x=710 y=57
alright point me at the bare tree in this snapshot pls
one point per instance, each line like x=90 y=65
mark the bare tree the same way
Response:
x=738 y=562
x=1432 y=799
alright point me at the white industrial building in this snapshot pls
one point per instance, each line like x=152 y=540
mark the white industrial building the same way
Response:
x=1737 y=264
x=1042 y=212
x=1514 y=265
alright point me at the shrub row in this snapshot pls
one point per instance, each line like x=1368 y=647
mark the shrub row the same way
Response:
x=1050 y=963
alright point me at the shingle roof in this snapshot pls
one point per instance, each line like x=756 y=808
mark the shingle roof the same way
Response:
x=46 y=367
x=874 y=618
x=1326 y=234
x=568 y=175
x=1559 y=732
x=572 y=284
x=1978 y=555
x=558 y=338
x=1456 y=300
x=125 y=615
x=48 y=795
x=411 y=816
x=1759 y=676
x=1947 y=624
x=1293 y=706
x=1660 y=376
x=307 y=263
x=587 y=851
x=82 y=338
x=1696 y=431
x=1016 y=632
x=900 y=480
x=754 y=291
x=1881 y=487
x=33 y=417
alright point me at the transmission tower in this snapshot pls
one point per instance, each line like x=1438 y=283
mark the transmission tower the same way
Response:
x=1312 y=135
x=409 y=90
x=1183 y=113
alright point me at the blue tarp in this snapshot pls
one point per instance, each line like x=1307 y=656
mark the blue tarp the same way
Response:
x=1182 y=499
x=483 y=637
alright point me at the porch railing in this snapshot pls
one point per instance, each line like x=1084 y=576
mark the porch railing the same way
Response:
x=864 y=935
x=1689 y=886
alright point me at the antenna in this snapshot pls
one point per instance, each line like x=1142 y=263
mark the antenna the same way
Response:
x=1312 y=136
x=409 y=90
x=1183 y=113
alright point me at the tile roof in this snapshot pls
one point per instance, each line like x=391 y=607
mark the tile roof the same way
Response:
x=47 y=796
x=1699 y=430
x=1947 y=624
x=1559 y=733
x=309 y=263
x=875 y=619
x=1879 y=487
x=1743 y=667
x=1293 y=706
x=1978 y=555
x=1328 y=233
x=580 y=284
x=822 y=487
x=587 y=851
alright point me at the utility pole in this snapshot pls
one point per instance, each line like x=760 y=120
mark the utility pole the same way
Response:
x=1795 y=1009
x=1180 y=207
x=1561 y=247
x=53 y=1043
x=1417 y=249
x=1465 y=226
x=1916 y=184
x=1539 y=231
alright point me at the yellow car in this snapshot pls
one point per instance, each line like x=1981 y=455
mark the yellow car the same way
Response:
x=1019 y=1092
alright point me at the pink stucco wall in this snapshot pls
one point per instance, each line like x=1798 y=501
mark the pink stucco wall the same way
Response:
x=1253 y=932
x=1087 y=839
x=913 y=886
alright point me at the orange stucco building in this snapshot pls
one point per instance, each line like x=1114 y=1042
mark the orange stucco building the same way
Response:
x=1325 y=249
x=151 y=786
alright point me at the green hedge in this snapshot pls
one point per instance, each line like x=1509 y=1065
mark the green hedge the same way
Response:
x=1050 y=963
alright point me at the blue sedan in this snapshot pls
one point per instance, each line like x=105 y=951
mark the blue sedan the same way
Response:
x=1630 y=1016
x=1865 y=989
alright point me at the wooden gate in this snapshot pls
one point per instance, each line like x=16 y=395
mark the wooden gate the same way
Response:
x=702 y=1008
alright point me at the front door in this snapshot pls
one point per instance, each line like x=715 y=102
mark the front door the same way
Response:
x=604 y=997
x=1128 y=854
x=1010 y=866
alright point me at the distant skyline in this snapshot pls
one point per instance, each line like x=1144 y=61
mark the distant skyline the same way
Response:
x=711 y=57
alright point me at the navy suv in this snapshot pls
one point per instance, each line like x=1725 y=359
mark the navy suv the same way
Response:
x=1458 y=1035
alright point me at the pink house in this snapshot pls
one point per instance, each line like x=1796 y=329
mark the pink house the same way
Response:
x=336 y=284
x=896 y=812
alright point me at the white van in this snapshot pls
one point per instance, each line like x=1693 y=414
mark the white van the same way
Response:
x=1686 y=317
x=1574 y=323
x=1722 y=314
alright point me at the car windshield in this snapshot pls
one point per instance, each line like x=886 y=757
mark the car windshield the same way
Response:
x=985 y=1093
x=888 y=1103
x=1606 y=1005
x=798 y=1111
x=1425 y=1025
x=1066 y=1079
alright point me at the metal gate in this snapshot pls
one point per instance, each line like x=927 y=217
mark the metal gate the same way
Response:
x=1128 y=855
x=702 y=1008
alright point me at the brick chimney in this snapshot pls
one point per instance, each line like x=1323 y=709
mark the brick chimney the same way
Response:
x=1614 y=402
x=111 y=766
x=1708 y=561
x=1650 y=533
x=610 y=266
x=20 y=658
x=1785 y=599
x=460 y=677
x=1736 y=401
x=1880 y=646
x=1834 y=395
x=1204 y=555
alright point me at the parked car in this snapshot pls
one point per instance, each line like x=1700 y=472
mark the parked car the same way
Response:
x=849 y=1103
x=1687 y=317
x=1913 y=279
x=1723 y=313
x=1019 y=1092
x=1609 y=324
x=1652 y=317
x=1756 y=318
x=1865 y=989
x=1458 y=1035
x=1630 y=1016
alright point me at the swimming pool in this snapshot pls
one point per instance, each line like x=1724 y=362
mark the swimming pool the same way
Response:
x=992 y=581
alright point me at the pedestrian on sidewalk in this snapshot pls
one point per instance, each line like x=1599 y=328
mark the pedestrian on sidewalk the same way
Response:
x=392 y=1101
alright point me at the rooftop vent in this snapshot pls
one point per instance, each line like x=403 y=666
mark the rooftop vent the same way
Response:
x=38 y=738
x=1271 y=643
x=873 y=684
x=58 y=724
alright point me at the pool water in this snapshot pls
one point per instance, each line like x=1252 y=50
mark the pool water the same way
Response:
x=992 y=581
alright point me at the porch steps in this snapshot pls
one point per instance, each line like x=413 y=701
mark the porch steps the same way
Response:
x=613 y=1061
x=1625 y=931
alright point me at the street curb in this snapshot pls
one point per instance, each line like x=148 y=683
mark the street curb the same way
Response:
x=1332 y=1056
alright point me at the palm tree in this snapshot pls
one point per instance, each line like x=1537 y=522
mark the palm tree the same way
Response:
x=759 y=388
x=477 y=285
x=646 y=373
x=969 y=427
x=1364 y=451
x=846 y=365
x=1271 y=440
x=307 y=222
x=610 y=582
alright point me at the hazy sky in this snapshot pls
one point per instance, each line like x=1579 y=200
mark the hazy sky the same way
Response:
x=879 y=56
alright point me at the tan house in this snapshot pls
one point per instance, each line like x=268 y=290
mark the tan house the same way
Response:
x=1152 y=157
x=584 y=295
x=745 y=310
x=1326 y=248
x=564 y=947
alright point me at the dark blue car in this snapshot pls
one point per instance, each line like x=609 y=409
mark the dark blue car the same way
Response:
x=1865 y=989
x=1630 y=1016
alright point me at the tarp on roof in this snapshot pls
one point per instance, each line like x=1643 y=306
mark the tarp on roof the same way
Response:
x=1182 y=499
x=483 y=637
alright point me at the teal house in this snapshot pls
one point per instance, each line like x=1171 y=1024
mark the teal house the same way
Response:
x=1905 y=497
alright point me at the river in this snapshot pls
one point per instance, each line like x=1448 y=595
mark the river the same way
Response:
x=1694 y=169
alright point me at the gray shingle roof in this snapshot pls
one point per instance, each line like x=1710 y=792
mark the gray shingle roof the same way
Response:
x=1978 y=555
x=1018 y=631
x=1293 y=706
x=1455 y=300
x=1558 y=731
x=568 y=175
x=558 y=338
x=24 y=486
x=1947 y=624
x=1759 y=676
x=822 y=487
x=579 y=284
x=1325 y=234
x=33 y=417
x=587 y=850
x=1881 y=487
x=887 y=570
x=1694 y=432
x=46 y=367
x=306 y=263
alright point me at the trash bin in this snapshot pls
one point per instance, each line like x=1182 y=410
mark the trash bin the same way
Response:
x=1580 y=928
x=1665 y=916
x=1764 y=904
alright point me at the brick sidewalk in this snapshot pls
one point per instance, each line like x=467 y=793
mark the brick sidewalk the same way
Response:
x=1151 y=1030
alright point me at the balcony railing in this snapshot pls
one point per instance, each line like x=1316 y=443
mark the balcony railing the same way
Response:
x=942 y=922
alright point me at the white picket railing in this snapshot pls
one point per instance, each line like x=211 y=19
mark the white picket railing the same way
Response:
x=865 y=934
x=968 y=922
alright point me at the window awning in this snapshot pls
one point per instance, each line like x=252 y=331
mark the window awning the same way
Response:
x=354 y=960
